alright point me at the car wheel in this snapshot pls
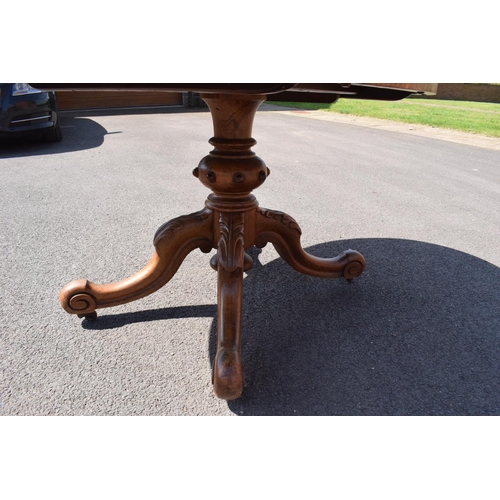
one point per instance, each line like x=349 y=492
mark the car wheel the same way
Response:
x=54 y=134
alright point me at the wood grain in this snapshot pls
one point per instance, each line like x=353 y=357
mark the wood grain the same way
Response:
x=231 y=222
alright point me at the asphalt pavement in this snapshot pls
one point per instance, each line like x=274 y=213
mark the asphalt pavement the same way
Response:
x=417 y=334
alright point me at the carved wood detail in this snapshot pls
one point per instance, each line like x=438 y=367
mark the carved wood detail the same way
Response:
x=228 y=377
x=173 y=225
x=282 y=217
x=231 y=243
x=231 y=222
x=173 y=243
x=284 y=233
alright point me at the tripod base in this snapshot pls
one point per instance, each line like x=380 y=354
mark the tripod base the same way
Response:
x=228 y=233
x=231 y=222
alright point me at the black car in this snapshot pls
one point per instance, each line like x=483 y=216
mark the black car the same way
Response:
x=26 y=110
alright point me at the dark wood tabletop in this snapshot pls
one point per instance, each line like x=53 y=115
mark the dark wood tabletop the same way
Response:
x=293 y=92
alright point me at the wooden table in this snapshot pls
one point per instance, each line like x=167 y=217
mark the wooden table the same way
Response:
x=232 y=220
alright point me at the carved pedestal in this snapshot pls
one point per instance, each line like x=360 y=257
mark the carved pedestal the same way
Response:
x=231 y=222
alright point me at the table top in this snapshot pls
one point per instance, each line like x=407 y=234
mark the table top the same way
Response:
x=294 y=92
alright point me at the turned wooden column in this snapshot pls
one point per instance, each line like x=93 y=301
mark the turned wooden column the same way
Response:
x=231 y=171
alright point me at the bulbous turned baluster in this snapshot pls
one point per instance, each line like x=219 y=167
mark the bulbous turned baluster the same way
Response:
x=232 y=170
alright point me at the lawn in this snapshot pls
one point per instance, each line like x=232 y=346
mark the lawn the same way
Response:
x=475 y=117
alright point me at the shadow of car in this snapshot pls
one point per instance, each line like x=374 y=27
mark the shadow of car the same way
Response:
x=25 y=110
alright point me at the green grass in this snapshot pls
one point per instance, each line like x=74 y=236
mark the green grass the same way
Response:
x=475 y=117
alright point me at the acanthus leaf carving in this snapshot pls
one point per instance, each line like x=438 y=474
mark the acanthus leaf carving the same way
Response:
x=231 y=244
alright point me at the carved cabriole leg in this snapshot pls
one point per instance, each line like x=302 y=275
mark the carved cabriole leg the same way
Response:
x=284 y=233
x=173 y=242
x=228 y=375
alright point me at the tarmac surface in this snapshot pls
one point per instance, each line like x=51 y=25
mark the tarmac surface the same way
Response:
x=417 y=334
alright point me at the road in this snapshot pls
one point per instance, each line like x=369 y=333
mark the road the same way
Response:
x=417 y=334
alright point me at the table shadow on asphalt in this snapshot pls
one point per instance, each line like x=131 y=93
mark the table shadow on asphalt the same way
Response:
x=417 y=334
x=112 y=321
x=78 y=134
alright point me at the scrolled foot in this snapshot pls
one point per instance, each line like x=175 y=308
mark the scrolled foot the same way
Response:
x=228 y=375
x=76 y=298
x=355 y=266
